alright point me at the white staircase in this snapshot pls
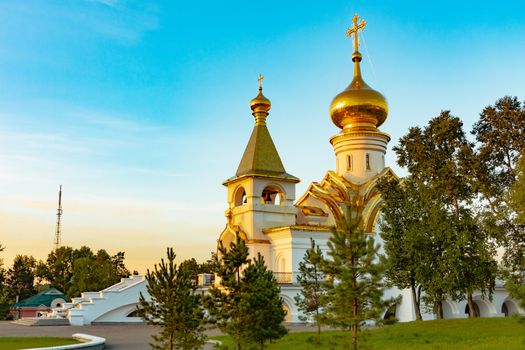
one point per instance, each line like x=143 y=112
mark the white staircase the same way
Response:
x=111 y=305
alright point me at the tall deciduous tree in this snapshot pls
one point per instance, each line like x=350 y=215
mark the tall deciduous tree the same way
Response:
x=516 y=277
x=224 y=303
x=405 y=237
x=262 y=304
x=517 y=192
x=58 y=268
x=500 y=136
x=79 y=270
x=311 y=279
x=174 y=307
x=440 y=158
x=355 y=284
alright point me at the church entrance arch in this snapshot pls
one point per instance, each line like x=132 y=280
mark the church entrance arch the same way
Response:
x=289 y=307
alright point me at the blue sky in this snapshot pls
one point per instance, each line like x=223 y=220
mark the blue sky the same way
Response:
x=140 y=108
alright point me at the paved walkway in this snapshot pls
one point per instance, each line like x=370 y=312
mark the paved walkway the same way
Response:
x=122 y=337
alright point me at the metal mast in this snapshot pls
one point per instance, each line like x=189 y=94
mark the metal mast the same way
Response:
x=58 y=233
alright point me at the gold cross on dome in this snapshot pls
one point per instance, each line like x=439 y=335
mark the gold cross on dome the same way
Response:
x=354 y=30
x=260 y=79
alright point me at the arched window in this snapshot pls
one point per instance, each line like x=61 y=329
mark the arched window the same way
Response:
x=282 y=264
x=240 y=197
x=367 y=161
x=272 y=195
x=349 y=160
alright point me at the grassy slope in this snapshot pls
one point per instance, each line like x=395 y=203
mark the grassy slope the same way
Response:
x=13 y=343
x=482 y=333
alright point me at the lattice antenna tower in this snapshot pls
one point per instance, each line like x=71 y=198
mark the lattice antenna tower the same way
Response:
x=58 y=229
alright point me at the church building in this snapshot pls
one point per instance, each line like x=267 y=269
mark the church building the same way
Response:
x=264 y=211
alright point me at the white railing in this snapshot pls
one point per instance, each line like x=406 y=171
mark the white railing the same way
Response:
x=283 y=277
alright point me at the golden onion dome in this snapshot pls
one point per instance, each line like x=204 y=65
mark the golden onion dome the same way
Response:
x=260 y=103
x=358 y=105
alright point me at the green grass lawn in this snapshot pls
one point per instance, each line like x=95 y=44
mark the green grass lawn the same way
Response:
x=14 y=343
x=459 y=334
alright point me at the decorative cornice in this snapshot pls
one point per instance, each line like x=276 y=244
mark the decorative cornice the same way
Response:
x=297 y=228
x=260 y=241
x=355 y=134
x=284 y=178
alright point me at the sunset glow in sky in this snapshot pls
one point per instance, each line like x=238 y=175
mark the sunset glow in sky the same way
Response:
x=140 y=109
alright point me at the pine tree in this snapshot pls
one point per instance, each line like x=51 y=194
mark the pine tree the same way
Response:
x=262 y=304
x=224 y=303
x=174 y=307
x=355 y=284
x=311 y=280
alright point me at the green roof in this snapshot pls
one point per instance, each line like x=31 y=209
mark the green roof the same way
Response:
x=45 y=298
x=260 y=156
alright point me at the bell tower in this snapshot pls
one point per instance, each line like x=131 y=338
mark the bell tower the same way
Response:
x=262 y=193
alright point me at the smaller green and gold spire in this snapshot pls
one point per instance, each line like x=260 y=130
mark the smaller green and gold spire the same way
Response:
x=260 y=105
x=260 y=157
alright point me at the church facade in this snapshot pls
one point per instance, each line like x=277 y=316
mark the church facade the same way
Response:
x=265 y=212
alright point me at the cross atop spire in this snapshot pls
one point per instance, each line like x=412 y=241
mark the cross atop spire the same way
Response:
x=354 y=30
x=260 y=79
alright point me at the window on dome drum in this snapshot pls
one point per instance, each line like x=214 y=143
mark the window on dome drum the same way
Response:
x=349 y=165
x=367 y=161
x=240 y=197
x=272 y=195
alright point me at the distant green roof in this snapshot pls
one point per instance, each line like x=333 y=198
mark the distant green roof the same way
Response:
x=45 y=298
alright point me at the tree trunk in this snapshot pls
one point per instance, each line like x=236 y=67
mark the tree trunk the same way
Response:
x=318 y=326
x=415 y=300
x=440 y=310
x=355 y=310
x=354 y=336
x=316 y=279
x=171 y=341
x=354 y=324
x=471 y=309
x=237 y=342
